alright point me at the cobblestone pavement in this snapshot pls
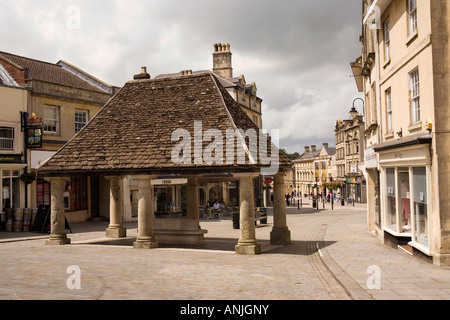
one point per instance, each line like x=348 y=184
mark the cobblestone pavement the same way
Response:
x=328 y=259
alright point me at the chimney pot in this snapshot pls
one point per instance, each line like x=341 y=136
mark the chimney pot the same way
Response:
x=143 y=75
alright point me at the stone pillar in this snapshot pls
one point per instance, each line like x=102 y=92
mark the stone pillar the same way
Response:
x=247 y=243
x=58 y=218
x=115 y=229
x=146 y=215
x=280 y=234
x=192 y=198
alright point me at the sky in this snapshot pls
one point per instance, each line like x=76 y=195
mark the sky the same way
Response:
x=298 y=52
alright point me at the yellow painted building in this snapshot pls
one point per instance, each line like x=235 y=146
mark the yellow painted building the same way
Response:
x=403 y=72
x=65 y=98
x=13 y=162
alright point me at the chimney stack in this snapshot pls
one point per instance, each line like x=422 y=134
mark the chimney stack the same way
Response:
x=143 y=75
x=325 y=145
x=222 y=60
x=313 y=148
x=306 y=149
x=186 y=72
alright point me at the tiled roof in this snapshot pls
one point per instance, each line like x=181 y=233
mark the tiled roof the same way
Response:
x=48 y=72
x=132 y=133
x=226 y=83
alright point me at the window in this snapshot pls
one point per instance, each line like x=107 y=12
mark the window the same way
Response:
x=412 y=14
x=420 y=205
x=389 y=110
x=391 y=218
x=81 y=119
x=387 y=41
x=414 y=91
x=10 y=189
x=51 y=120
x=404 y=200
x=6 y=139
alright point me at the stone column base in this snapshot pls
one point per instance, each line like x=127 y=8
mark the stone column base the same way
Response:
x=280 y=236
x=116 y=232
x=248 y=250
x=57 y=240
x=150 y=244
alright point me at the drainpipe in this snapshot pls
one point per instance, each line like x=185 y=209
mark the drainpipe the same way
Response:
x=24 y=119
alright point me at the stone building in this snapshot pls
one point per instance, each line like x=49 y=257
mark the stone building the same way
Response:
x=314 y=168
x=155 y=130
x=65 y=98
x=13 y=158
x=403 y=72
x=245 y=94
x=350 y=156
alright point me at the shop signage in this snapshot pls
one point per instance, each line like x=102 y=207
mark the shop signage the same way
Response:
x=352 y=180
x=10 y=158
x=370 y=158
x=34 y=133
x=162 y=182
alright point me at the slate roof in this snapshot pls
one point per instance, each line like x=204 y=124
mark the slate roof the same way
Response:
x=132 y=133
x=48 y=72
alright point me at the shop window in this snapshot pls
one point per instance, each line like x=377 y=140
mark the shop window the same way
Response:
x=391 y=213
x=377 y=198
x=420 y=205
x=404 y=200
x=10 y=187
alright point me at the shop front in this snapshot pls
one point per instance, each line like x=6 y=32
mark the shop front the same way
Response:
x=406 y=196
x=12 y=195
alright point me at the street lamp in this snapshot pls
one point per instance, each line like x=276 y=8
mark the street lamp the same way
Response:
x=363 y=105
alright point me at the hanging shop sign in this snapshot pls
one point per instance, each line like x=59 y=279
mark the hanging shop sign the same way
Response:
x=34 y=133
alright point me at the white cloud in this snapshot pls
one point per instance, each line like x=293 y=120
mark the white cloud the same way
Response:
x=297 y=52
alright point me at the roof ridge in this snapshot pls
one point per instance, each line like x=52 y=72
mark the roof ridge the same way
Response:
x=31 y=59
x=230 y=118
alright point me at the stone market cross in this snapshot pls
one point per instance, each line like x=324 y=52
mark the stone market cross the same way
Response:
x=131 y=137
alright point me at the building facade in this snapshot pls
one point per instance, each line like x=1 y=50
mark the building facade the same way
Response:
x=314 y=168
x=350 y=157
x=13 y=160
x=403 y=72
x=223 y=189
x=63 y=98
